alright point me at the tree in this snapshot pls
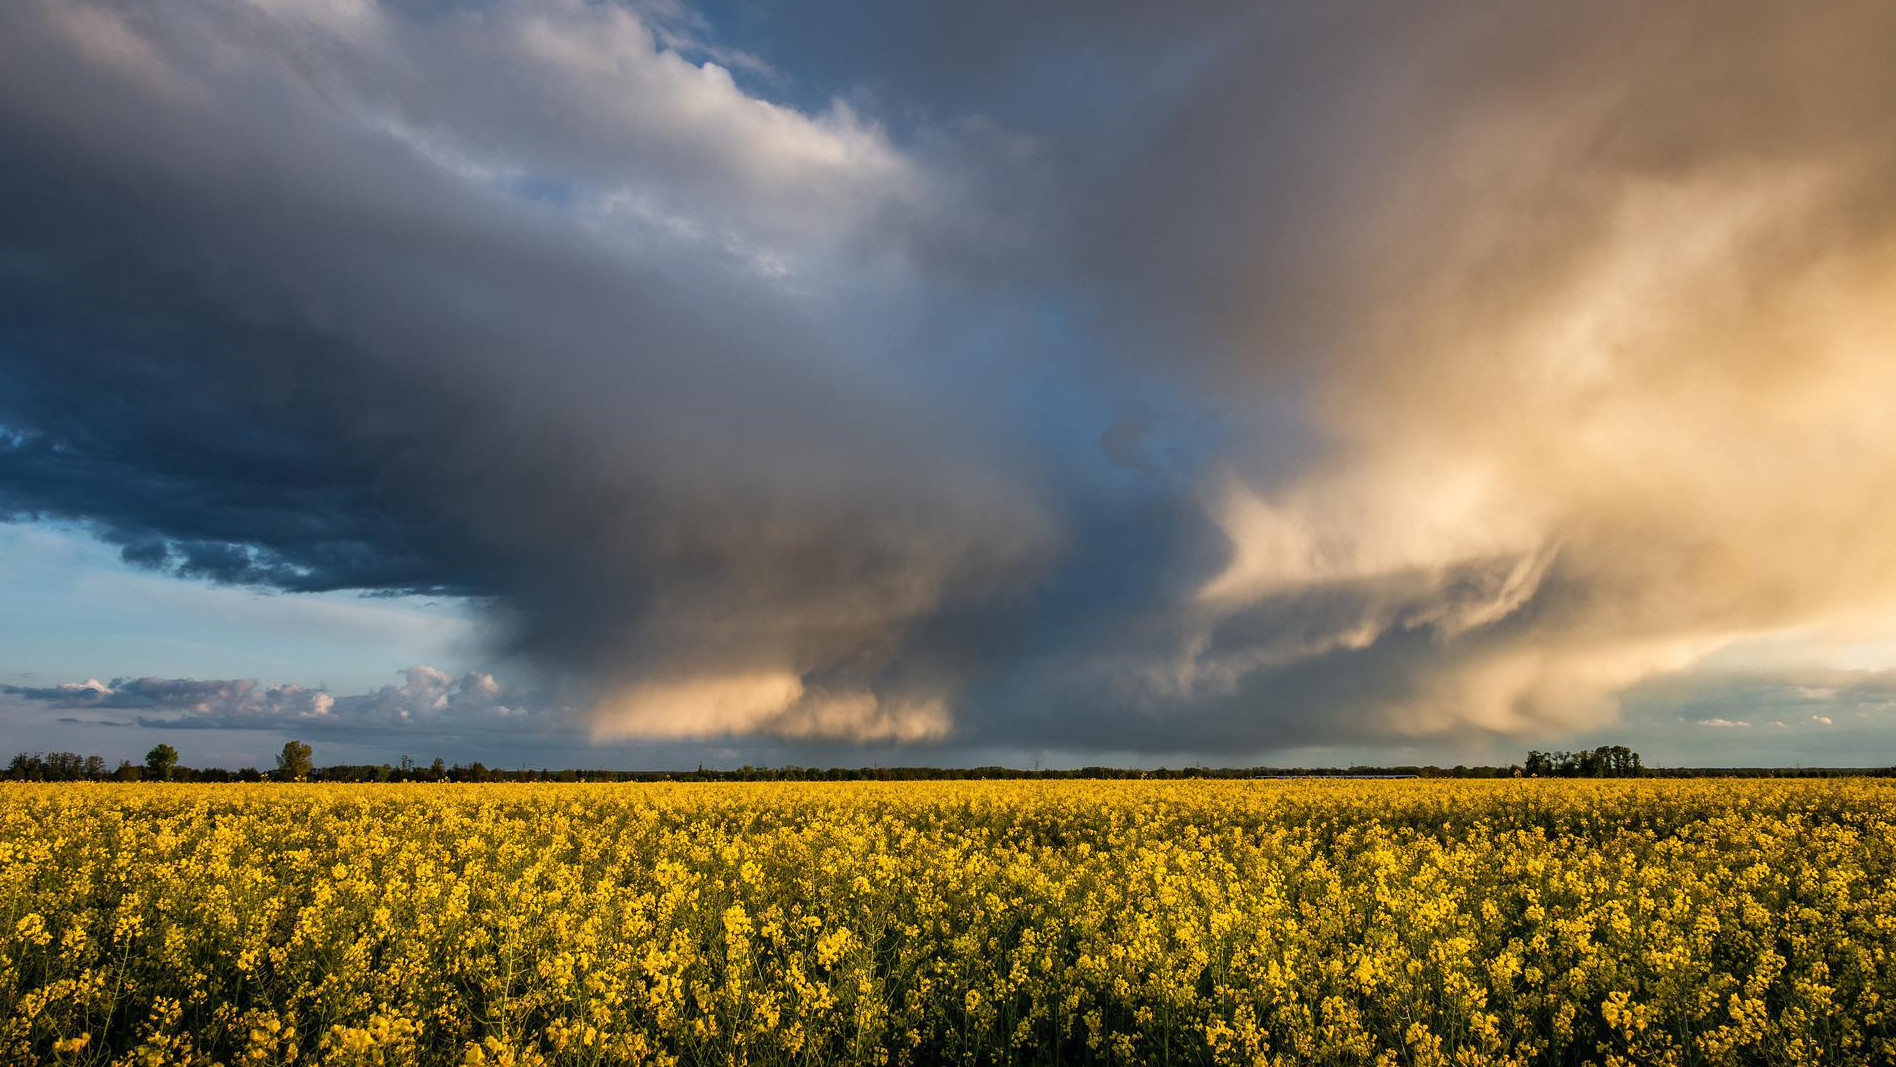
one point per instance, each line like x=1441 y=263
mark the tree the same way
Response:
x=160 y=762
x=293 y=763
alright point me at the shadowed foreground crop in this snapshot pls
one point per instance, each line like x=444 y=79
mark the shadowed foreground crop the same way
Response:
x=1231 y=923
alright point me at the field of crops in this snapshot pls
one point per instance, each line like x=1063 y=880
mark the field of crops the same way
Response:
x=1512 y=922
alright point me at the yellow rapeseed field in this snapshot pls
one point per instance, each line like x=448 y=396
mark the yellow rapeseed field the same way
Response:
x=1514 y=922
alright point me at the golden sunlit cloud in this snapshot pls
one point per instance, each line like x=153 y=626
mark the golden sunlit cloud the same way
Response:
x=772 y=703
x=1594 y=415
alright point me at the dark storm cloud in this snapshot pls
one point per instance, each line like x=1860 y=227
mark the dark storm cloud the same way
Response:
x=269 y=322
x=1099 y=376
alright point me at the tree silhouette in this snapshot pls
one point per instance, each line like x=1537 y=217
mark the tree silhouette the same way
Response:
x=293 y=763
x=160 y=762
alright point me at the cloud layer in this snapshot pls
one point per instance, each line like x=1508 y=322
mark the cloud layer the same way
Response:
x=1246 y=377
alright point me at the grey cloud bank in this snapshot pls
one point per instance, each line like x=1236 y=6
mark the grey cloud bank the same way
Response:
x=1239 y=379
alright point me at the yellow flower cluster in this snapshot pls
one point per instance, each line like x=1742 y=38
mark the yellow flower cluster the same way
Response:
x=1380 y=923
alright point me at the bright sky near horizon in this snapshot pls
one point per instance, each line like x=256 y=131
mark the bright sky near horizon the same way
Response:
x=649 y=383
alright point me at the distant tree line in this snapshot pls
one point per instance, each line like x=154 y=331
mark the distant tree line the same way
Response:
x=296 y=763
x=1607 y=761
x=161 y=765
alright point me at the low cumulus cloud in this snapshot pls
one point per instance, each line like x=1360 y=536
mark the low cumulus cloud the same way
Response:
x=428 y=699
x=1293 y=374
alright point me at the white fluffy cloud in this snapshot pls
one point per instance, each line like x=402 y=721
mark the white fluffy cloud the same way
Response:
x=580 y=103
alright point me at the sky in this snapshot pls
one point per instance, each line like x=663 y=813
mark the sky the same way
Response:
x=648 y=384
